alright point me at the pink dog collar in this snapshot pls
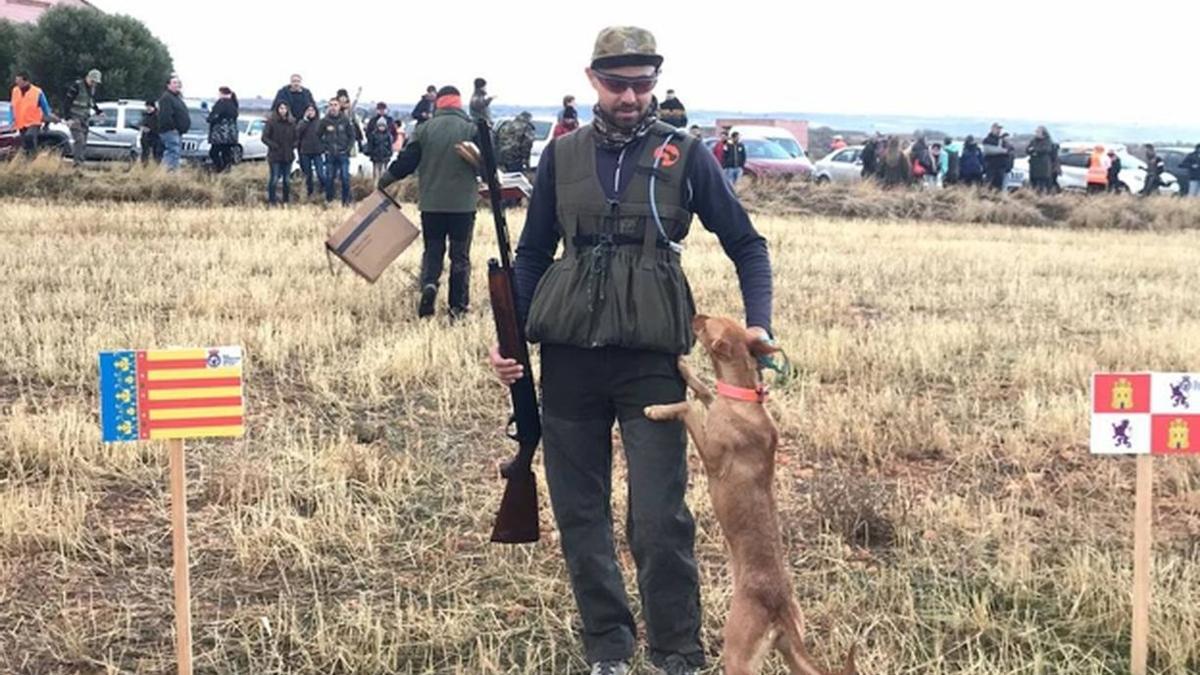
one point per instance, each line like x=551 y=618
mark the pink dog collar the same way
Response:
x=756 y=395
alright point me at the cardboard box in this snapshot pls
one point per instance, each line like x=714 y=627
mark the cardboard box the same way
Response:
x=375 y=235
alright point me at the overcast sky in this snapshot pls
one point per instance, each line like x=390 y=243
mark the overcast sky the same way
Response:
x=1029 y=59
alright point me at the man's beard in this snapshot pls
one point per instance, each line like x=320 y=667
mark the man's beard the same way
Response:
x=612 y=133
x=637 y=112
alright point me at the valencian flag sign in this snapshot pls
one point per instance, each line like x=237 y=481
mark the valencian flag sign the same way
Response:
x=1145 y=413
x=171 y=393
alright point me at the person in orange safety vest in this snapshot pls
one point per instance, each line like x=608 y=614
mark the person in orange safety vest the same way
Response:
x=29 y=112
x=1097 y=174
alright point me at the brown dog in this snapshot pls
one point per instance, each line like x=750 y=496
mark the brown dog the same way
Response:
x=737 y=444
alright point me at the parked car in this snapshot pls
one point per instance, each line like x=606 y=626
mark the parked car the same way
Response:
x=55 y=137
x=1173 y=157
x=250 y=127
x=1075 y=156
x=842 y=166
x=250 y=131
x=777 y=135
x=117 y=134
x=766 y=159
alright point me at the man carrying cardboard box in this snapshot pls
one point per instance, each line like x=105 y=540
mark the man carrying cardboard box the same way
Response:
x=448 y=198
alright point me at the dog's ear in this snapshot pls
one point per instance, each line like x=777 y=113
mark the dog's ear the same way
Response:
x=761 y=348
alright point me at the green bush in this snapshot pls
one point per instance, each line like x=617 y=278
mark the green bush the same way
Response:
x=68 y=42
x=12 y=36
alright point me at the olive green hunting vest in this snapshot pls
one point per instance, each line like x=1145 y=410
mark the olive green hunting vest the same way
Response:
x=619 y=282
x=81 y=108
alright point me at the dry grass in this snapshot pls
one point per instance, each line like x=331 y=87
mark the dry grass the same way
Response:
x=51 y=179
x=48 y=177
x=966 y=205
x=941 y=511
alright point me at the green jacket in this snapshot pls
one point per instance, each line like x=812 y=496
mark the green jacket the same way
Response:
x=448 y=183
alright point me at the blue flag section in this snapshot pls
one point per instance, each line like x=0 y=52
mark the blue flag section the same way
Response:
x=118 y=396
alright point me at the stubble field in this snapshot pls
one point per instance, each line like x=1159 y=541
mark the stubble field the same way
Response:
x=941 y=510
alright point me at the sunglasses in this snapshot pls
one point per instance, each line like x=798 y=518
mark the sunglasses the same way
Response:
x=617 y=85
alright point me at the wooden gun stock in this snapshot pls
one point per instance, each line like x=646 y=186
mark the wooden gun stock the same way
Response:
x=517 y=519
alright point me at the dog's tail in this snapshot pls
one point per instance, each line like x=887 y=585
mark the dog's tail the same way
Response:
x=791 y=645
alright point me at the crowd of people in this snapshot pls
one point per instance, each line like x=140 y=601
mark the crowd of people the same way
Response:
x=892 y=162
x=324 y=140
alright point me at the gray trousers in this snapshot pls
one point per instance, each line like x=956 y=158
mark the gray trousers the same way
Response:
x=79 y=141
x=584 y=391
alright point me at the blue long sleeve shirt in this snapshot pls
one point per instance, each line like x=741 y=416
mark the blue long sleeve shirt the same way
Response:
x=711 y=198
x=42 y=103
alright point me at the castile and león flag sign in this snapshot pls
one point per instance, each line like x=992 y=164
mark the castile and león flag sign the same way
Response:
x=1147 y=415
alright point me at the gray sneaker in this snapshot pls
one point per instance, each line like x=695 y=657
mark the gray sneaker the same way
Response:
x=610 y=668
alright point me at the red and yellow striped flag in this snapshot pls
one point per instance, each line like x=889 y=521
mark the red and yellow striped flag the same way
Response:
x=171 y=393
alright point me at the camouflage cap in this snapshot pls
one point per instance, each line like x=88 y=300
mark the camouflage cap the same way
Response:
x=618 y=46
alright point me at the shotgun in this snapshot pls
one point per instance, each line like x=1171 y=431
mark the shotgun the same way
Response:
x=517 y=520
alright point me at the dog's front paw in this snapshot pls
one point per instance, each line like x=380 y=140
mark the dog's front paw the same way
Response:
x=659 y=413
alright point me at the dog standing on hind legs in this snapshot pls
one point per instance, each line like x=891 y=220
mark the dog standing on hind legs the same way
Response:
x=737 y=443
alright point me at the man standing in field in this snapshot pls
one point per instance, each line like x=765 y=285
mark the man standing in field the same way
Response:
x=338 y=139
x=78 y=107
x=733 y=158
x=295 y=95
x=613 y=315
x=29 y=111
x=174 y=121
x=997 y=153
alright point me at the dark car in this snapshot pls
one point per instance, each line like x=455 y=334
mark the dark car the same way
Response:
x=8 y=136
x=52 y=137
x=1172 y=158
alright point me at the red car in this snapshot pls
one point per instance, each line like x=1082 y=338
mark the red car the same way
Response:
x=10 y=141
x=765 y=159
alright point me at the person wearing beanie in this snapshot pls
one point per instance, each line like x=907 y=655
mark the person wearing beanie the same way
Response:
x=672 y=111
x=567 y=123
x=381 y=113
x=348 y=109
x=152 y=146
x=481 y=103
x=448 y=198
x=612 y=317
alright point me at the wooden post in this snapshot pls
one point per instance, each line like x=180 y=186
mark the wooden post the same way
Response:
x=1142 y=520
x=179 y=538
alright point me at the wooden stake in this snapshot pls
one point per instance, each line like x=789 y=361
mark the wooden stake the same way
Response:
x=179 y=538
x=1142 y=520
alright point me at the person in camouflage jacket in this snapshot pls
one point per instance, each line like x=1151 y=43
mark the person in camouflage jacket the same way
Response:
x=515 y=143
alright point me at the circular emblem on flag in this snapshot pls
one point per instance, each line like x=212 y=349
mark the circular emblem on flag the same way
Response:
x=214 y=358
x=668 y=155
